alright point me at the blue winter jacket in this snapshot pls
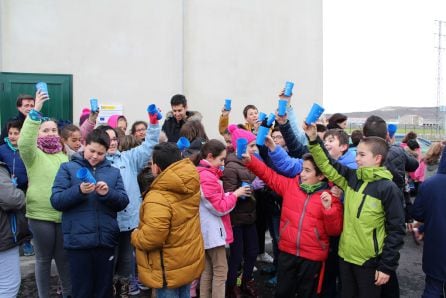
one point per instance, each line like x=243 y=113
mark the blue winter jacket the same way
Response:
x=88 y=220
x=11 y=157
x=348 y=159
x=130 y=163
x=430 y=208
x=296 y=126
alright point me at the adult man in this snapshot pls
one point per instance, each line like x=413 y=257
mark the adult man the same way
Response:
x=24 y=104
x=177 y=117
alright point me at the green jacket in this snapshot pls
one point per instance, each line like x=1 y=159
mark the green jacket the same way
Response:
x=42 y=169
x=373 y=229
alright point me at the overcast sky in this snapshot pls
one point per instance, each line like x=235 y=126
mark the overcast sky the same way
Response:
x=381 y=53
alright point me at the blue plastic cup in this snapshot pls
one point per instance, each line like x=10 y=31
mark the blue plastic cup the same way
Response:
x=94 y=106
x=262 y=132
x=152 y=110
x=244 y=184
x=391 y=129
x=271 y=119
x=242 y=145
x=43 y=87
x=183 y=143
x=282 y=107
x=261 y=117
x=314 y=114
x=288 y=88
x=85 y=176
x=228 y=104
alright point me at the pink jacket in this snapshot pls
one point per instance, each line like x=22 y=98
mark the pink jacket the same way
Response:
x=215 y=206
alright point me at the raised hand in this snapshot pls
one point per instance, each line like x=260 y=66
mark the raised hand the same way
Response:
x=310 y=131
x=41 y=97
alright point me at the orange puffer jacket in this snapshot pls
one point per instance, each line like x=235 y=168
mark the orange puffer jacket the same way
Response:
x=168 y=241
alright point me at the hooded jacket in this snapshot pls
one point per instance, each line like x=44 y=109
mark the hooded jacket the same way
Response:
x=10 y=155
x=130 y=163
x=430 y=208
x=235 y=173
x=88 y=220
x=172 y=127
x=12 y=201
x=42 y=169
x=305 y=225
x=398 y=162
x=374 y=227
x=168 y=241
x=215 y=206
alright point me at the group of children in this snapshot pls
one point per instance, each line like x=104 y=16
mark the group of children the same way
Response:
x=337 y=219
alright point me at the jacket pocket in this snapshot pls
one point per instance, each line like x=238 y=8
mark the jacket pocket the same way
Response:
x=361 y=205
x=318 y=237
x=375 y=242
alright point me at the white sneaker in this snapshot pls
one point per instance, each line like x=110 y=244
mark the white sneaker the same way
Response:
x=265 y=258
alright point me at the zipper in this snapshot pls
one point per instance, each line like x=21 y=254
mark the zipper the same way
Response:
x=163 y=269
x=361 y=206
x=375 y=242
x=299 y=229
x=318 y=237
x=283 y=229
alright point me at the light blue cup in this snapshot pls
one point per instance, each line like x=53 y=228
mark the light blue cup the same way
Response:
x=228 y=104
x=261 y=117
x=314 y=114
x=271 y=119
x=391 y=129
x=244 y=184
x=288 y=88
x=262 y=132
x=43 y=87
x=85 y=176
x=183 y=143
x=242 y=145
x=94 y=106
x=282 y=107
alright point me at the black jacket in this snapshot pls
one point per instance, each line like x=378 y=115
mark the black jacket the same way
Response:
x=172 y=127
x=398 y=162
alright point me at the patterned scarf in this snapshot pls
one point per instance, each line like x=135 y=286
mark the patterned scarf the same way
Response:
x=49 y=144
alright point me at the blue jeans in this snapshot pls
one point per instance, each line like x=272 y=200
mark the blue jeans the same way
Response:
x=181 y=292
x=434 y=288
x=9 y=272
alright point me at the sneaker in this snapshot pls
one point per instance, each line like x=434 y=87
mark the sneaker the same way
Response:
x=265 y=258
x=133 y=287
x=141 y=286
x=124 y=289
x=28 y=249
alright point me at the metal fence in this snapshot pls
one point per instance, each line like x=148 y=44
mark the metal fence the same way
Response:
x=428 y=132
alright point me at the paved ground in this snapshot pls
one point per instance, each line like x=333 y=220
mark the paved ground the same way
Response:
x=411 y=277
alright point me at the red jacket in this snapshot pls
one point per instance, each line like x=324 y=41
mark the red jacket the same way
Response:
x=305 y=224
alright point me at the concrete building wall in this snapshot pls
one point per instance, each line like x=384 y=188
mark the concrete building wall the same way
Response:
x=138 y=52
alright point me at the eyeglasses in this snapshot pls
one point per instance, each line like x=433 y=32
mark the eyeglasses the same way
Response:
x=277 y=137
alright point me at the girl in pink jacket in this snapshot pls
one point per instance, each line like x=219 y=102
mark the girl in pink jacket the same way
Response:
x=215 y=206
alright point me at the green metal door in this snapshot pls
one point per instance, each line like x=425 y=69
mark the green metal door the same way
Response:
x=60 y=89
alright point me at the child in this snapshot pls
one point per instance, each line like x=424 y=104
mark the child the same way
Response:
x=215 y=221
x=373 y=216
x=309 y=216
x=9 y=154
x=89 y=220
x=168 y=241
x=71 y=138
x=243 y=217
x=336 y=143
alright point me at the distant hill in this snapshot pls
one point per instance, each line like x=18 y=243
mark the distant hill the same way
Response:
x=393 y=113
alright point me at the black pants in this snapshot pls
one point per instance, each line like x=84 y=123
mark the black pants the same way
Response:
x=297 y=275
x=392 y=288
x=330 y=286
x=91 y=272
x=358 y=281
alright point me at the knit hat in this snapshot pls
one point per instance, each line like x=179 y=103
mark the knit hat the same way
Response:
x=84 y=115
x=391 y=129
x=237 y=133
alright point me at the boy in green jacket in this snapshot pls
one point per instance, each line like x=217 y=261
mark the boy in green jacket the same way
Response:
x=373 y=215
